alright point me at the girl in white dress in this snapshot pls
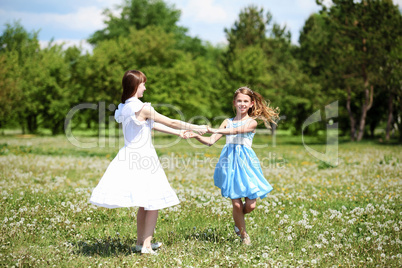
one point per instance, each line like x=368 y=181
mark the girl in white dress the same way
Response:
x=135 y=177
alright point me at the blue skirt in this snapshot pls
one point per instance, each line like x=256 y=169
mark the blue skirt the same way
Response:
x=238 y=173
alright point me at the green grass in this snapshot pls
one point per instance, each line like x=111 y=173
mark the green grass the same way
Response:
x=317 y=215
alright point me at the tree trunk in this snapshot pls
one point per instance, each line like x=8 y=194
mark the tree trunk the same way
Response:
x=32 y=124
x=373 y=126
x=399 y=126
x=368 y=102
x=57 y=128
x=351 y=116
x=390 y=111
x=399 y=123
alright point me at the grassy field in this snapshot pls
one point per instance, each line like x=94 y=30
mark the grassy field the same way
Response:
x=316 y=216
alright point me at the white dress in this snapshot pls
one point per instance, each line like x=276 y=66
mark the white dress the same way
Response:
x=135 y=177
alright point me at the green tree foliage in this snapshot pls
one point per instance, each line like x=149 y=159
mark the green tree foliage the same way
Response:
x=392 y=82
x=19 y=51
x=190 y=85
x=10 y=94
x=45 y=85
x=16 y=39
x=137 y=50
x=36 y=81
x=58 y=95
x=139 y=14
x=174 y=75
x=362 y=35
x=250 y=29
x=261 y=56
x=315 y=38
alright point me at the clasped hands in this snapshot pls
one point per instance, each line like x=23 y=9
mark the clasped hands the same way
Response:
x=187 y=134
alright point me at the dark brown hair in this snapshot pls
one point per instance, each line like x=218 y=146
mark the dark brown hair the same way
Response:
x=260 y=109
x=131 y=80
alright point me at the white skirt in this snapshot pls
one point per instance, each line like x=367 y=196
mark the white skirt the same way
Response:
x=135 y=178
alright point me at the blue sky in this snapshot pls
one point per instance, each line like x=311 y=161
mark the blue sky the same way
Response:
x=72 y=21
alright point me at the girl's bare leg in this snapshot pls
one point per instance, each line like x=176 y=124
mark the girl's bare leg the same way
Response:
x=151 y=216
x=140 y=225
x=249 y=205
x=238 y=216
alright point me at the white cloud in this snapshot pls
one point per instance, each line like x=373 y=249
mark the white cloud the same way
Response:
x=84 y=45
x=398 y=2
x=84 y=19
x=205 y=11
x=307 y=5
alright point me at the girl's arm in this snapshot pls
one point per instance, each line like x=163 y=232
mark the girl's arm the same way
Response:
x=249 y=127
x=164 y=129
x=148 y=112
x=209 y=141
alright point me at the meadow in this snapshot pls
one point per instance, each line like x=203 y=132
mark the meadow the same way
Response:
x=316 y=216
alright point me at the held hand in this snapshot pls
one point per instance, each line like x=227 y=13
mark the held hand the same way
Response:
x=184 y=134
x=187 y=134
x=193 y=135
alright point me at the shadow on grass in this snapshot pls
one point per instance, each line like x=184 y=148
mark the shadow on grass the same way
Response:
x=117 y=246
x=105 y=247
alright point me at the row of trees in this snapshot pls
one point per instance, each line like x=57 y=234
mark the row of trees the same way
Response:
x=349 y=52
x=354 y=51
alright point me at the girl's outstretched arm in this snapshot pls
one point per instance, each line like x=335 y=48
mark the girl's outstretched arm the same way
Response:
x=249 y=127
x=164 y=129
x=209 y=141
x=149 y=112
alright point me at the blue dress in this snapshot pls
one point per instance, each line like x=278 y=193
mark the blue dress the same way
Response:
x=238 y=172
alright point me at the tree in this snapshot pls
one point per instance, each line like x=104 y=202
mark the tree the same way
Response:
x=314 y=50
x=261 y=56
x=20 y=49
x=16 y=38
x=10 y=94
x=37 y=84
x=314 y=40
x=192 y=85
x=250 y=29
x=150 y=46
x=392 y=74
x=56 y=89
x=139 y=14
x=362 y=33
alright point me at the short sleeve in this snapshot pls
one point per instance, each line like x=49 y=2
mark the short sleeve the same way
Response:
x=136 y=107
x=126 y=111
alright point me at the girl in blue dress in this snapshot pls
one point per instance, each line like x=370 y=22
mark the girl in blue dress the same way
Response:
x=238 y=173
